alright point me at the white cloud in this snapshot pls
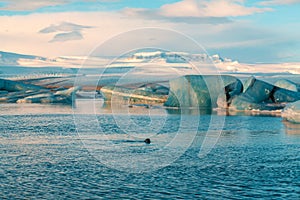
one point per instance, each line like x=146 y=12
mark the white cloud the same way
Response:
x=62 y=37
x=278 y=2
x=67 y=31
x=157 y=15
x=21 y=34
x=214 y=8
x=197 y=11
x=64 y=26
x=25 y=5
x=31 y=5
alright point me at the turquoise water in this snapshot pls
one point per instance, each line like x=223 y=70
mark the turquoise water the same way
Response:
x=45 y=156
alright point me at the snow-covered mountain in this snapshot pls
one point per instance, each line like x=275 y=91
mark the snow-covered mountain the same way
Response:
x=177 y=57
x=162 y=59
x=12 y=59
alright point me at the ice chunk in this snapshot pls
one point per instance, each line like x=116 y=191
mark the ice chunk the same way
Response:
x=13 y=86
x=39 y=98
x=243 y=103
x=286 y=84
x=292 y=112
x=257 y=91
x=63 y=97
x=282 y=95
x=201 y=91
x=15 y=91
x=258 y=95
x=68 y=92
x=132 y=95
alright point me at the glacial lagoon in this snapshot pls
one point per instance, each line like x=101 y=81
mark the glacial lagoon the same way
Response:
x=43 y=156
x=94 y=150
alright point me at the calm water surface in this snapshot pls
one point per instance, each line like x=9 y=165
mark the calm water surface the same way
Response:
x=44 y=157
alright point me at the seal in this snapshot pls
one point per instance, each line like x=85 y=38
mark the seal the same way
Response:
x=147 y=141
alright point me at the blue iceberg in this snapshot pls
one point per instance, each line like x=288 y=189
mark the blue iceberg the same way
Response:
x=202 y=91
x=288 y=85
x=260 y=95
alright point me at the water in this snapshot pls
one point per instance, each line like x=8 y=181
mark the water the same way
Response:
x=43 y=157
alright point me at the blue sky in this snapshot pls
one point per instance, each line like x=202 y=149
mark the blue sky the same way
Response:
x=248 y=31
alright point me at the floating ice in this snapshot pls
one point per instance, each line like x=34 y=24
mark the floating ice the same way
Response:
x=287 y=84
x=202 y=91
x=19 y=92
x=260 y=95
x=292 y=112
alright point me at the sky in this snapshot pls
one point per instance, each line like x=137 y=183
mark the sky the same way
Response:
x=249 y=31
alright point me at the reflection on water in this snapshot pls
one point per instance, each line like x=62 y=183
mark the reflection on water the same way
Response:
x=229 y=112
x=291 y=128
x=98 y=106
x=34 y=109
x=191 y=111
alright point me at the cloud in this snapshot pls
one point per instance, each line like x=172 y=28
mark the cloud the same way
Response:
x=21 y=34
x=213 y=8
x=31 y=5
x=63 y=37
x=68 y=31
x=156 y=15
x=197 y=11
x=25 y=5
x=64 y=26
x=278 y=2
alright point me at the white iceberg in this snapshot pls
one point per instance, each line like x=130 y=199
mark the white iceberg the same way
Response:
x=19 y=92
x=64 y=97
x=291 y=112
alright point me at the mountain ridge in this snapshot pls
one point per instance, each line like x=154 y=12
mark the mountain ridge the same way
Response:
x=139 y=59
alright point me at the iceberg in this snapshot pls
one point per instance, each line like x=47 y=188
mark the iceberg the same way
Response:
x=288 y=85
x=13 y=86
x=257 y=95
x=291 y=128
x=256 y=90
x=243 y=103
x=18 y=92
x=260 y=95
x=151 y=95
x=64 y=97
x=285 y=96
x=202 y=91
x=291 y=112
x=13 y=97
